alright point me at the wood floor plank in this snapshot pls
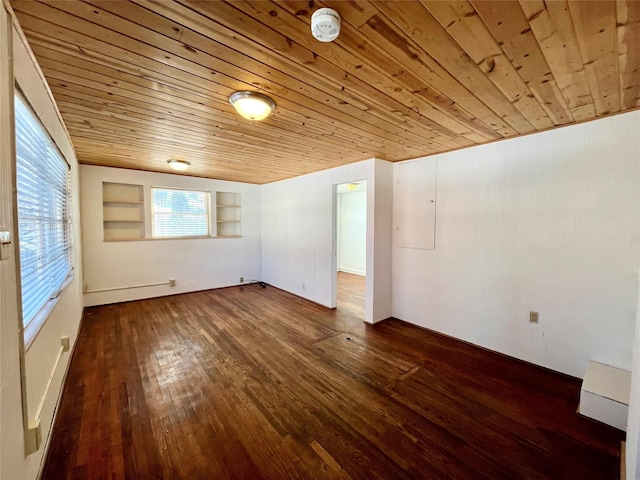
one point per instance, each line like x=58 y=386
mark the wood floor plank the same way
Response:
x=249 y=382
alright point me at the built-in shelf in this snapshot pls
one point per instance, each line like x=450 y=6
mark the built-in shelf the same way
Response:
x=123 y=211
x=120 y=220
x=228 y=215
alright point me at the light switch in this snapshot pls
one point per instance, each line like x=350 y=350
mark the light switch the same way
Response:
x=5 y=245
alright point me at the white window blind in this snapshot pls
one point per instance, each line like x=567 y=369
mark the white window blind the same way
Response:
x=44 y=225
x=179 y=213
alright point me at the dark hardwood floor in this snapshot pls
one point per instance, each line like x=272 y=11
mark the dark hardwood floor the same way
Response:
x=249 y=383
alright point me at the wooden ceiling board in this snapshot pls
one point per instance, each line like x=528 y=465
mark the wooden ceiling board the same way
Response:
x=199 y=119
x=552 y=26
x=196 y=64
x=323 y=74
x=140 y=82
x=595 y=24
x=628 y=21
x=58 y=64
x=509 y=26
x=439 y=61
x=349 y=69
x=433 y=39
x=466 y=28
x=388 y=62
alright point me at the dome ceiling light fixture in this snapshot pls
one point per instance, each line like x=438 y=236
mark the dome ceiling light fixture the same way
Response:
x=179 y=165
x=325 y=24
x=252 y=105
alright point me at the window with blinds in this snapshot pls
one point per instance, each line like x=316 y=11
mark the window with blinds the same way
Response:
x=180 y=213
x=44 y=226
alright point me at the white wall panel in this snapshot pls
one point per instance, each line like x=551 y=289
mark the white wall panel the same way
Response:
x=414 y=204
x=196 y=264
x=352 y=232
x=379 y=260
x=546 y=223
x=298 y=252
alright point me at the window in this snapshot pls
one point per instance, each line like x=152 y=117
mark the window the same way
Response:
x=179 y=213
x=44 y=225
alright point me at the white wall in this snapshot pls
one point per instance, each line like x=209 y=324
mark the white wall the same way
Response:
x=298 y=251
x=65 y=318
x=352 y=232
x=379 y=242
x=633 y=421
x=414 y=204
x=196 y=264
x=546 y=223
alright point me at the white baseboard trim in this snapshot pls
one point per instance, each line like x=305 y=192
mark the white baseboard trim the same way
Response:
x=351 y=270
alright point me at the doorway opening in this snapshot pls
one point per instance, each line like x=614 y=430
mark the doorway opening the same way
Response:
x=351 y=247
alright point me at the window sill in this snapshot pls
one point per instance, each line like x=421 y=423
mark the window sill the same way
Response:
x=201 y=237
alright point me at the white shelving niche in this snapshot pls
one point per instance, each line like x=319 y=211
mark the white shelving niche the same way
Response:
x=228 y=215
x=122 y=212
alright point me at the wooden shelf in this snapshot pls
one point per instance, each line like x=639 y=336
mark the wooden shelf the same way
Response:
x=123 y=212
x=228 y=215
x=122 y=220
x=123 y=231
x=126 y=202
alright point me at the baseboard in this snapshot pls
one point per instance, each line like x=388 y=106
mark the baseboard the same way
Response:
x=378 y=322
x=352 y=271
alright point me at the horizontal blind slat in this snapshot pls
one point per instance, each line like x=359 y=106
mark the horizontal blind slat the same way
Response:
x=180 y=213
x=44 y=229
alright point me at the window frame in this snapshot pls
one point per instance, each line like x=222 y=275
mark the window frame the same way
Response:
x=38 y=320
x=208 y=197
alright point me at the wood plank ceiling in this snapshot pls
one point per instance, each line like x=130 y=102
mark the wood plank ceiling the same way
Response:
x=141 y=82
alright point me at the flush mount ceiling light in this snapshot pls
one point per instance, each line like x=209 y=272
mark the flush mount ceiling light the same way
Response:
x=252 y=105
x=325 y=24
x=178 y=165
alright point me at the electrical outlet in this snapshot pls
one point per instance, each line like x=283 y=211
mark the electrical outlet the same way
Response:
x=533 y=317
x=172 y=282
x=64 y=341
x=241 y=279
x=304 y=287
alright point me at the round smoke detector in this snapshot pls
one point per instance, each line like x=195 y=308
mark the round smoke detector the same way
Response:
x=325 y=24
